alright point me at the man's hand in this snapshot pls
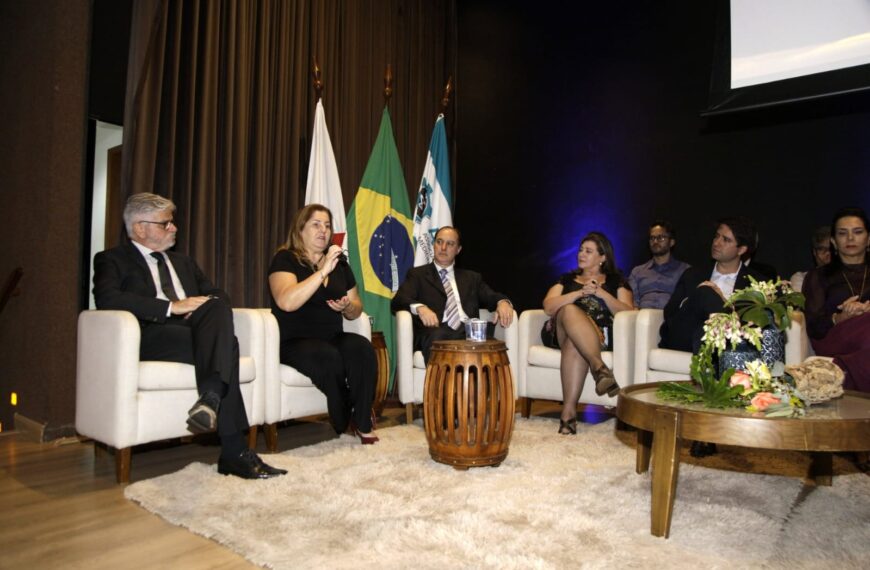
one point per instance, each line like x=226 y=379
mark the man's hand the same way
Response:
x=188 y=305
x=427 y=316
x=504 y=313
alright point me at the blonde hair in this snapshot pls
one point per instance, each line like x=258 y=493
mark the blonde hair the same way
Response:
x=294 y=235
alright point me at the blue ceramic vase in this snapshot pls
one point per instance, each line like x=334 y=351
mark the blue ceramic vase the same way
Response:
x=738 y=357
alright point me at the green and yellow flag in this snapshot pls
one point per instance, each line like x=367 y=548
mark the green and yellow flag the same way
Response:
x=379 y=229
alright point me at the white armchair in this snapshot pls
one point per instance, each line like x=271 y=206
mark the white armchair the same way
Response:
x=538 y=365
x=411 y=370
x=289 y=393
x=123 y=402
x=654 y=364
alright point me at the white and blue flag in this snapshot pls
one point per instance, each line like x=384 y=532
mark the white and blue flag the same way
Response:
x=434 y=199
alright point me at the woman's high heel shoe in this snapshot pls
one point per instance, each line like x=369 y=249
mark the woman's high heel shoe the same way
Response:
x=568 y=427
x=605 y=382
x=367 y=439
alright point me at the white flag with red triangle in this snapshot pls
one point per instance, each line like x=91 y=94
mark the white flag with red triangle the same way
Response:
x=323 y=186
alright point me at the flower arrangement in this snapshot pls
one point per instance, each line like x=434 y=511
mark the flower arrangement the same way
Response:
x=757 y=388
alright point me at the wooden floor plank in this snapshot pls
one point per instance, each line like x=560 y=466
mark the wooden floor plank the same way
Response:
x=61 y=506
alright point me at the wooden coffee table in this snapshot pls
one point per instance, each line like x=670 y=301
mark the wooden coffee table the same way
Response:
x=842 y=424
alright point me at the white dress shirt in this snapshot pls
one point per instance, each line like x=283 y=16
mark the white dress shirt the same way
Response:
x=155 y=274
x=725 y=281
x=451 y=276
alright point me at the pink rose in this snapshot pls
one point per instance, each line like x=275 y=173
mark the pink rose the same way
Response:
x=762 y=400
x=741 y=379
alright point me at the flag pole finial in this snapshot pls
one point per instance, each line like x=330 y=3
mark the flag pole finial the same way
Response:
x=445 y=98
x=318 y=82
x=388 y=83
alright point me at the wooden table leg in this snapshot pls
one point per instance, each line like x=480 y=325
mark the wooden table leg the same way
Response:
x=666 y=466
x=644 y=445
x=822 y=468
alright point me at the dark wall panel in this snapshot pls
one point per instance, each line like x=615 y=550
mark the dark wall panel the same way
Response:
x=43 y=62
x=581 y=116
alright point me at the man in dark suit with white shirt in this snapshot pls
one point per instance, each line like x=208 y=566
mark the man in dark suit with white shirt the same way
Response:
x=442 y=296
x=703 y=289
x=183 y=318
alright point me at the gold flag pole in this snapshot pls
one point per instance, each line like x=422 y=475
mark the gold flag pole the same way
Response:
x=445 y=98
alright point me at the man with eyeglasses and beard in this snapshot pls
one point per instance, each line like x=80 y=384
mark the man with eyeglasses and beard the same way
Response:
x=183 y=318
x=653 y=282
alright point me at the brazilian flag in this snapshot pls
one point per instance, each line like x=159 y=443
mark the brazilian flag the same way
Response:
x=379 y=229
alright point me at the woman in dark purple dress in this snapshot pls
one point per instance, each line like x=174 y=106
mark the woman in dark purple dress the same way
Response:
x=838 y=300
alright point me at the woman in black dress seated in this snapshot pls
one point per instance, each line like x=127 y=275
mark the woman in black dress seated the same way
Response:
x=581 y=306
x=312 y=289
x=838 y=300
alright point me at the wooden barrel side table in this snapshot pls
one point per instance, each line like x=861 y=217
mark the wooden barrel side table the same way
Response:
x=380 y=346
x=468 y=403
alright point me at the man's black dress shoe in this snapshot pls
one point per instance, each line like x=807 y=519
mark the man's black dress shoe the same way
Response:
x=248 y=465
x=702 y=449
x=202 y=417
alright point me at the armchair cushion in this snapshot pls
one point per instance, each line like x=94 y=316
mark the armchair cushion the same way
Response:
x=155 y=375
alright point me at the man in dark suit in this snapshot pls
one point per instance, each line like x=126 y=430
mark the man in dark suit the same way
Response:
x=441 y=296
x=184 y=318
x=702 y=290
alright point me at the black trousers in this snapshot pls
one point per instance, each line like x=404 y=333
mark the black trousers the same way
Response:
x=425 y=336
x=344 y=368
x=684 y=330
x=207 y=340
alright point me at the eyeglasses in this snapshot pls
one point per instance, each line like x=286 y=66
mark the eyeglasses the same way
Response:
x=165 y=224
x=663 y=237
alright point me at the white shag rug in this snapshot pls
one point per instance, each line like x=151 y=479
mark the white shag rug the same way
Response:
x=555 y=502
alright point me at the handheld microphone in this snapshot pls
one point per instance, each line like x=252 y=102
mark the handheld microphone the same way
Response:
x=342 y=256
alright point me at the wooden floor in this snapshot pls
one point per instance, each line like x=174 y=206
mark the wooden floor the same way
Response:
x=61 y=508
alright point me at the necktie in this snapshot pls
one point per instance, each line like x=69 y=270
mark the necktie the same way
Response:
x=451 y=310
x=165 y=278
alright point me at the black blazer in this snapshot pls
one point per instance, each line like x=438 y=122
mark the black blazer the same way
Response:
x=423 y=285
x=694 y=276
x=122 y=281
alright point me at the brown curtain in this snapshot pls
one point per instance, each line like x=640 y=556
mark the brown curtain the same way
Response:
x=220 y=107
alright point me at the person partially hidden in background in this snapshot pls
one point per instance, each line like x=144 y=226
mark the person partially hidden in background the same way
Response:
x=581 y=306
x=313 y=289
x=441 y=296
x=821 y=252
x=652 y=282
x=184 y=318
